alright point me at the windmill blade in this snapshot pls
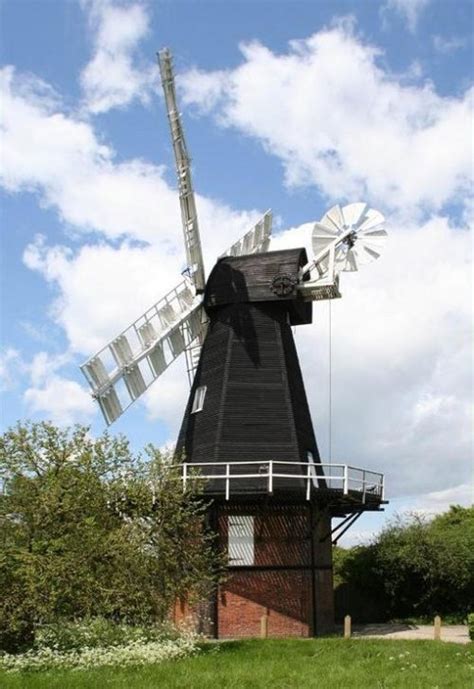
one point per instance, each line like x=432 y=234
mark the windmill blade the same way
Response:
x=344 y=240
x=354 y=214
x=348 y=261
x=198 y=324
x=255 y=241
x=122 y=371
x=322 y=237
x=333 y=218
x=372 y=235
x=192 y=240
x=374 y=220
x=355 y=233
x=351 y=259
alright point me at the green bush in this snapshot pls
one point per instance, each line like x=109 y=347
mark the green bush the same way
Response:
x=470 y=624
x=90 y=530
x=356 y=592
x=98 y=632
x=125 y=654
x=416 y=568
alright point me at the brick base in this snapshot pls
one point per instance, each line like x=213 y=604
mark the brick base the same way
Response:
x=291 y=583
x=283 y=596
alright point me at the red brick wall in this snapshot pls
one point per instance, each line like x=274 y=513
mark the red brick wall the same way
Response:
x=284 y=596
x=282 y=534
x=284 y=537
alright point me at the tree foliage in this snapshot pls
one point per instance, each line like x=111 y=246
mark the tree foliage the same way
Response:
x=87 y=528
x=416 y=567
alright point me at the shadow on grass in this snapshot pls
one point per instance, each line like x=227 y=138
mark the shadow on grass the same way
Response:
x=228 y=645
x=382 y=629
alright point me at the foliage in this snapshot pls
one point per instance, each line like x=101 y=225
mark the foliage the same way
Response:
x=283 y=663
x=98 y=632
x=136 y=652
x=470 y=624
x=359 y=591
x=88 y=529
x=415 y=568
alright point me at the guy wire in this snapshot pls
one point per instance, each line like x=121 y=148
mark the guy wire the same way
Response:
x=330 y=384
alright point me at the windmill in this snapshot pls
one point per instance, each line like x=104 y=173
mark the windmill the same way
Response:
x=247 y=429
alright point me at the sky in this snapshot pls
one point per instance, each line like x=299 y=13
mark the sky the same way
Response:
x=288 y=105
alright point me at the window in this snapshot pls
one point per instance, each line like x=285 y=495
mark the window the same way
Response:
x=198 y=401
x=241 y=540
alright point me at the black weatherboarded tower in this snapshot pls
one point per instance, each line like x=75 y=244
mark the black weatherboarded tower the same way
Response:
x=254 y=404
x=247 y=431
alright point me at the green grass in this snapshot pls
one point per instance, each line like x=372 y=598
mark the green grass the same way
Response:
x=283 y=664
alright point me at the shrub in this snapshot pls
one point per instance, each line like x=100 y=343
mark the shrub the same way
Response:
x=470 y=624
x=88 y=529
x=64 y=636
x=137 y=652
x=357 y=593
x=416 y=567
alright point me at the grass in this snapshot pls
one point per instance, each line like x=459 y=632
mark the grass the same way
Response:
x=283 y=664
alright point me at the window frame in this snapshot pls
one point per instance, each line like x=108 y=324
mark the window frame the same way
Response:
x=241 y=546
x=198 y=399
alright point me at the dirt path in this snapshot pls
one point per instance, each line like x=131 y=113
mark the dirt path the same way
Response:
x=456 y=633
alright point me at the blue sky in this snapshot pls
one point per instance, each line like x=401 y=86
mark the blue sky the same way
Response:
x=286 y=104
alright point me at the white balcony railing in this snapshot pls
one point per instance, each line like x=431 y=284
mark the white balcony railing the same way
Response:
x=265 y=476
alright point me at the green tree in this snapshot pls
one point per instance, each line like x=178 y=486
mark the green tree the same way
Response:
x=427 y=566
x=359 y=591
x=87 y=528
x=417 y=567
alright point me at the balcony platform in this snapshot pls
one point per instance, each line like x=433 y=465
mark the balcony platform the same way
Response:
x=343 y=488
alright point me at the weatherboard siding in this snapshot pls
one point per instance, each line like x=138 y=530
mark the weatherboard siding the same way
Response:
x=255 y=406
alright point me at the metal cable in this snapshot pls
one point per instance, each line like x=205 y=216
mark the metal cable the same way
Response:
x=330 y=384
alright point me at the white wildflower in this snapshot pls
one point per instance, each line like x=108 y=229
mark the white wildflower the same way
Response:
x=136 y=652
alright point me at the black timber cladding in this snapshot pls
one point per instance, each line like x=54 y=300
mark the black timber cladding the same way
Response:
x=255 y=407
x=236 y=279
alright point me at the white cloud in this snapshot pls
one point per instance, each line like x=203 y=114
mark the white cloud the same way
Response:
x=45 y=365
x=38 y=332
x=446 y=46
x=165 y=401
x=61 y=400
x=338 y=120
x=438 y=501
x=114 y=77
x=61 y=158
x=94 y=303
x=101 y=289
x=65 y=163
x=401 y=348
x=354 y=537
x=11 y=366
x=409 y=10
x=425 y=504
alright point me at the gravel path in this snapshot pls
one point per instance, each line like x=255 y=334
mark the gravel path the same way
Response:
x=456 y=633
